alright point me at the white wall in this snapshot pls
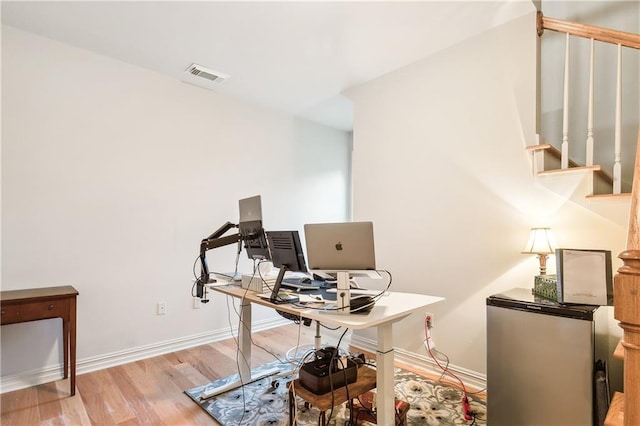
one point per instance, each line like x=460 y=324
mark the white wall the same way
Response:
x=111 y=176
x=439 y=165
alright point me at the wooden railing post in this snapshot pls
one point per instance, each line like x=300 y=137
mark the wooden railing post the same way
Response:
x=626 y=300
x=589 y=144
x=617 y=165
x=564 y=158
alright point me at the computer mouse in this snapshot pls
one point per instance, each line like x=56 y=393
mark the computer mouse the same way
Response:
x=361 y=304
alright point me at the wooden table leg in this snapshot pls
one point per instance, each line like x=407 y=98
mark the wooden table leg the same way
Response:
x=292 y=406
x=72 y=344
x=65 y=343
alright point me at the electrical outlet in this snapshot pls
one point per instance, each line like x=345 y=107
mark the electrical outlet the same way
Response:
x=429 y=319
x=196 y=303
x=429 y=344
x=162 y=308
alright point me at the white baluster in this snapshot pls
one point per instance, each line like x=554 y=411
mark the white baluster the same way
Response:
x=564 y=159
x=617 y=167
x=589 y=144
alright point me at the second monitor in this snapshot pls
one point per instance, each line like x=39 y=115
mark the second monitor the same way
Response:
x=286 y=254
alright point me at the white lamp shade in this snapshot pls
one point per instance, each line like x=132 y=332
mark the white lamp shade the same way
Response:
x=541 y=241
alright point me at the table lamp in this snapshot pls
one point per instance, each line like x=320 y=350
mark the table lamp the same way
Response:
x=542 y=243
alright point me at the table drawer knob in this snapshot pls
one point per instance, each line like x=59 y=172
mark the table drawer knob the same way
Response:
x=51 y=307
x=2 y=313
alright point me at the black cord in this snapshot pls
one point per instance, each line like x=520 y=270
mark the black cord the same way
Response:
x=379 y=295
x=197 y=278
x=375 y=298
x=241 y=324
x=346 y=385
x=333 y=355
x=238 y=352
x=329 y=328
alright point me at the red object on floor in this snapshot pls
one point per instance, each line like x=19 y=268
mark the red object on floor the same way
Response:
x=362 y=410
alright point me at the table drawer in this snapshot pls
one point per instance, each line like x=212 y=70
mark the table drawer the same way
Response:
x=14 y=313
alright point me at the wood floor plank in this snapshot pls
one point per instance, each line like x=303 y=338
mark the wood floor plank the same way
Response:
x=73 y=410
x=186 y=372
x=157 y=390
x=49 y=407
x=183 y=375
x=144 y=413
x=20 y=408
x=210 y=362
x=106 y=403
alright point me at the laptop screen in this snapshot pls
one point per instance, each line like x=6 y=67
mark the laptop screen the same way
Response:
x=250 y=209
x=347 y=246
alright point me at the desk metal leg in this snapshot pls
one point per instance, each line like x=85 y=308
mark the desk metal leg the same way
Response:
x=244 y=337
x=244 y=342
x=385 y=376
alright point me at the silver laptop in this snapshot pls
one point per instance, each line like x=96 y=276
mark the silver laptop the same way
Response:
x=344 y=246
x=250 y=209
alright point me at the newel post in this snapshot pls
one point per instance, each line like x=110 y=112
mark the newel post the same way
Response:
x=626 y=302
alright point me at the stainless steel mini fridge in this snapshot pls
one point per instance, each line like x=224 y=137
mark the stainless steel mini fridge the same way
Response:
x=540 y=360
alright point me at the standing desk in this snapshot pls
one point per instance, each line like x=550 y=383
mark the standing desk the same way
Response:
x=389 y=309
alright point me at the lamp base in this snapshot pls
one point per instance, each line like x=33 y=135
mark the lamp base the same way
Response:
x=543 y=263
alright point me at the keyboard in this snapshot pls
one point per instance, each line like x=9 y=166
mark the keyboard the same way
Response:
x=281 y=298
x=360 y=291
x=228 y=276
x=296 y=284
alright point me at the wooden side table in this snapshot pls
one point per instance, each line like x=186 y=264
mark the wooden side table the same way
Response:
x=365 y=382
x=46 y=303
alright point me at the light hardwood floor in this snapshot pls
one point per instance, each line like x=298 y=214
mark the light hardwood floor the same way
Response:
x=145 y=392
x=149 y=391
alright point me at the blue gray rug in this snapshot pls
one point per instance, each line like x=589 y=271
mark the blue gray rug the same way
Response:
x=264 y=402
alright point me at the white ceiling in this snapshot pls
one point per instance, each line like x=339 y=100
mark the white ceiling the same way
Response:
x=296 y=57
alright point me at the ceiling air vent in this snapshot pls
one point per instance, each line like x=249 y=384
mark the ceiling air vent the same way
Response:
x=206 y=73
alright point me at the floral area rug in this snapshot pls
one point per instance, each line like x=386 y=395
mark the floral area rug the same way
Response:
x=265 y=402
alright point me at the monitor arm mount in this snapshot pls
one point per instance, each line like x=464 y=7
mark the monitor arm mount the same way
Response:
x=214 y=240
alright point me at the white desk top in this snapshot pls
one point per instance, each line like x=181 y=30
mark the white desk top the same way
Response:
x=389 y=308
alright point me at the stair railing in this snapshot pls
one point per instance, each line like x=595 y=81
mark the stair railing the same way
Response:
x=619 y=38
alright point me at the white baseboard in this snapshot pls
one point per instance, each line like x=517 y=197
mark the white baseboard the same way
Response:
x=86 y=365
x=472 y=379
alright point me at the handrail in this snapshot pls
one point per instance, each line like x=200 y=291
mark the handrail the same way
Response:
x=588 y=31
x=633 y=233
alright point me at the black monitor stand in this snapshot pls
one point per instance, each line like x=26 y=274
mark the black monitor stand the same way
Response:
x=214 y=240
x=276 y=288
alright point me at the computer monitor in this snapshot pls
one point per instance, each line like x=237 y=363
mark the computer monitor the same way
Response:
x=286 y=254
x=250 y=228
